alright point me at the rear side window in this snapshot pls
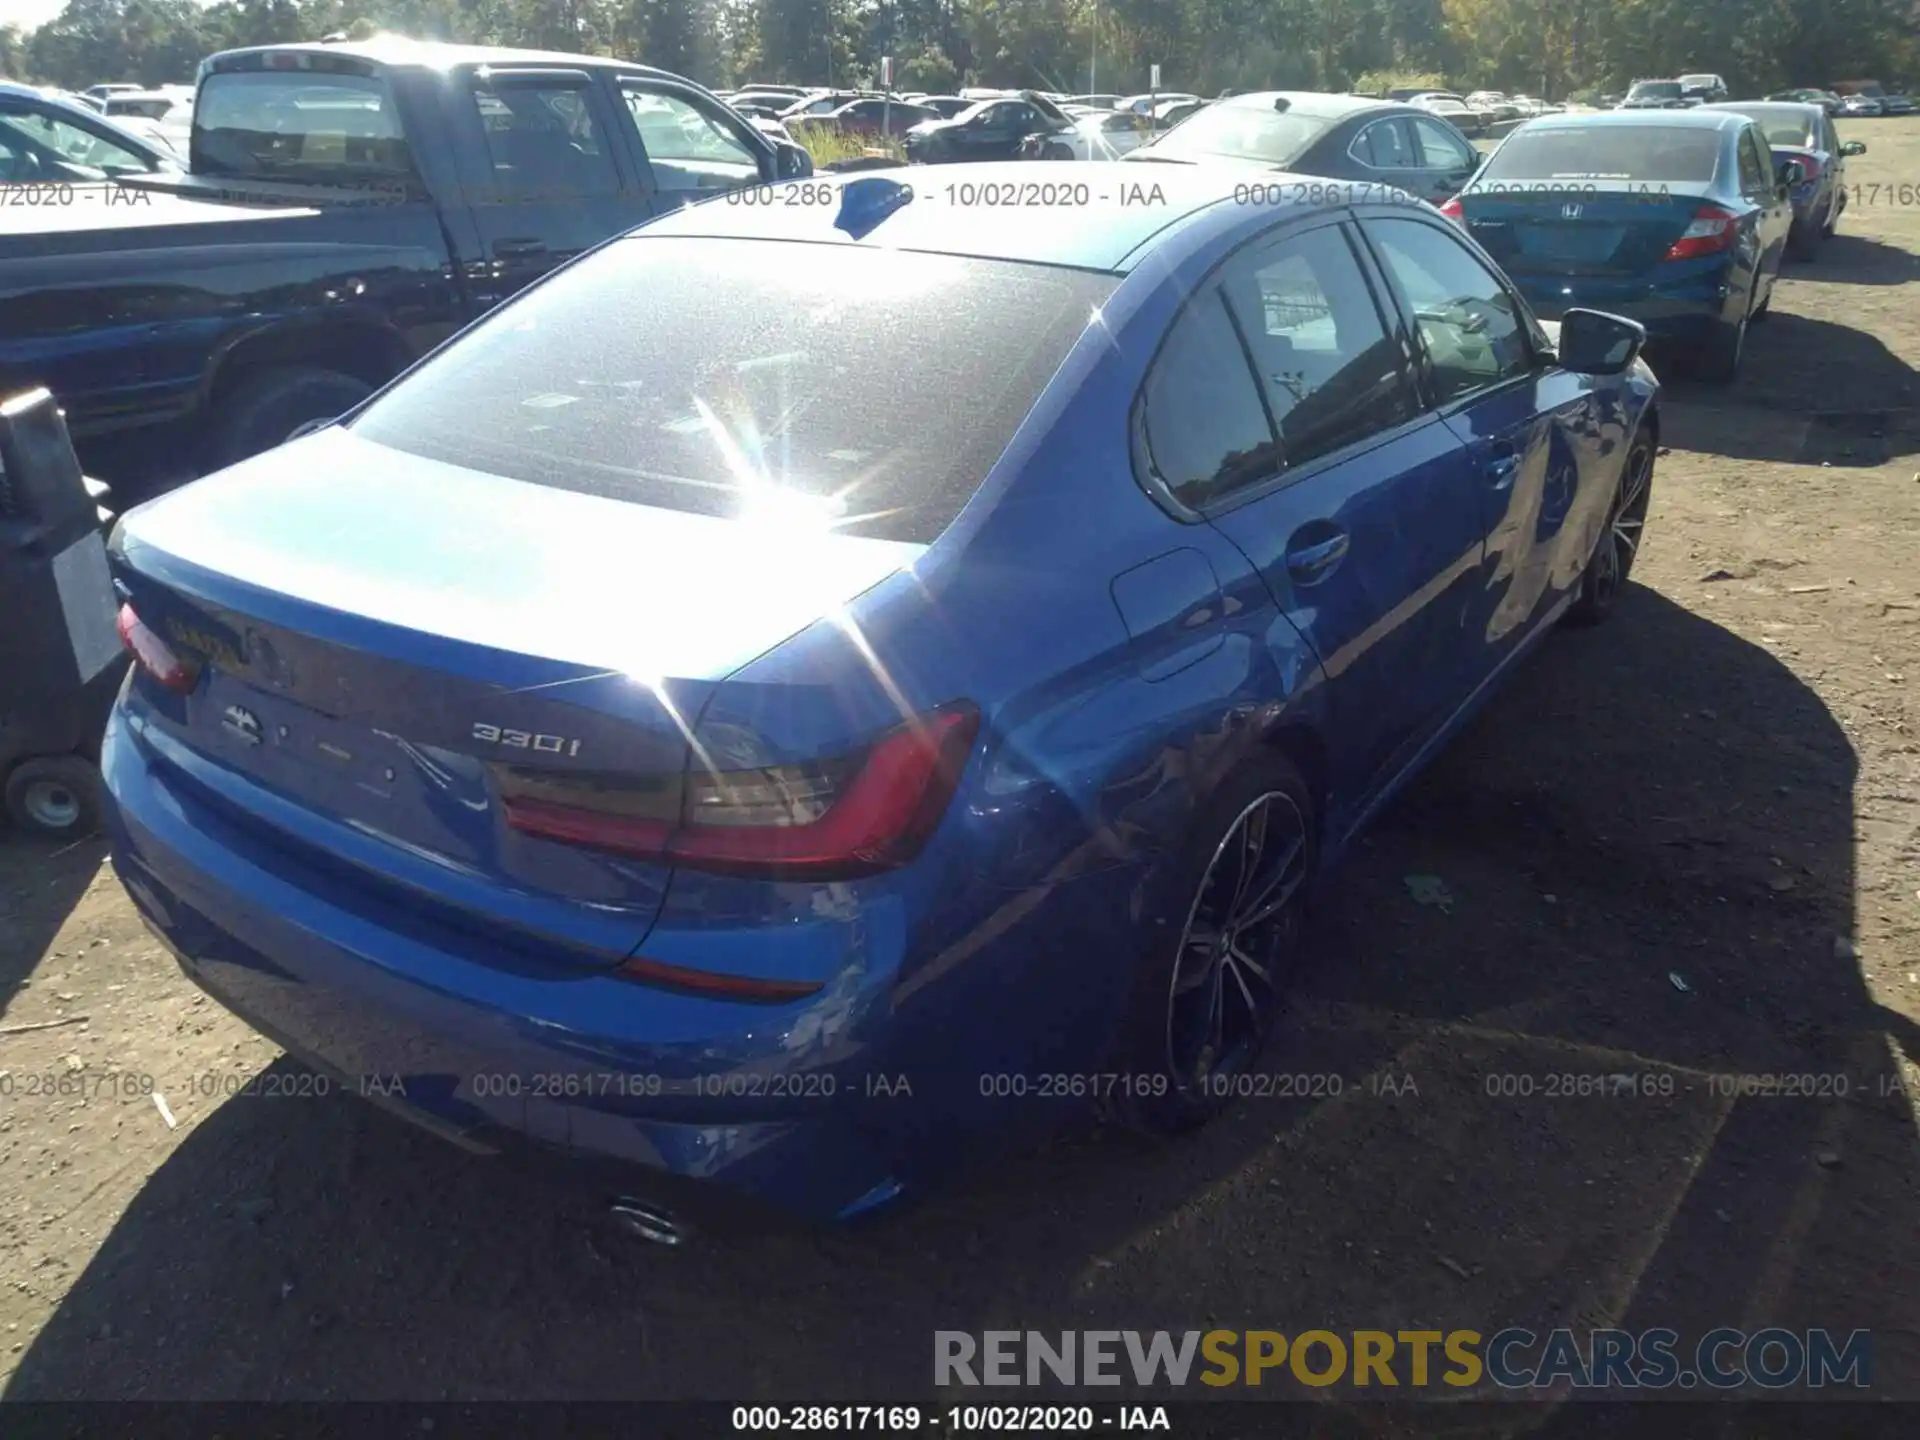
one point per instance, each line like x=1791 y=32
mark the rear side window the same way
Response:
x=1657 y=154
x=1331 y=374
x=1206 y=430
x=869 y=391
x=1755 y=177
x=290 y=123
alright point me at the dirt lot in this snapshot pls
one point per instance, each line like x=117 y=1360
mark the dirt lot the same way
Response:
x=1683 y=846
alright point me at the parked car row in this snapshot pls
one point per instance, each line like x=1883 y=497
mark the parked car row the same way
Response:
x=1677 y=217
x=1111 y=618
x=371 y=229
x=1847 y=97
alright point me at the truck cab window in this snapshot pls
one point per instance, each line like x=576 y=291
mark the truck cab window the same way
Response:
x=293 y=124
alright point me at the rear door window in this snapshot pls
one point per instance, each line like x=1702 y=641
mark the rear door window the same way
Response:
x=1330 y=372
x=1385 y=145
x=545 y=141
x=754 y=380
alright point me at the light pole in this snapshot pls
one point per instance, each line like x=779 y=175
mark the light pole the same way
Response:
x=1093 y=52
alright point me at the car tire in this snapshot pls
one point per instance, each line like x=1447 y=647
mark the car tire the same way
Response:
x=59 y=796
x=1803 y=241
x=1718 y=358
x=1605 y=578
x=276 y=406
x=1178 y=983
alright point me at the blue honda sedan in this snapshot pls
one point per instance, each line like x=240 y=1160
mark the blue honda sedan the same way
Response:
x=1677 y=218
x=832 y=681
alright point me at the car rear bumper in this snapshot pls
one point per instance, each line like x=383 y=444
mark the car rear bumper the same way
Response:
x=763 y=1106
x=1680 y=309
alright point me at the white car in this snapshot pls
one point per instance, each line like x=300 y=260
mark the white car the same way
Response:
x=771 y=128
x=1105 y=135
x=169 y=111
x=1143 y=104
x=1453 y=109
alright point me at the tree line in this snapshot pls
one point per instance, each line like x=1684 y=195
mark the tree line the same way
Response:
x=1552 y=48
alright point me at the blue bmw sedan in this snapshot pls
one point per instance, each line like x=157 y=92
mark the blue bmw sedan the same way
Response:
x=830 y=682
x=1677 y=218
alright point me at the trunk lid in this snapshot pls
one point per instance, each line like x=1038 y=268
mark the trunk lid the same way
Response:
x=1597 y=228
x=379 y=632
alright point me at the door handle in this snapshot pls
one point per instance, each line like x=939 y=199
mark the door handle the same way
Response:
x=1314 y=561
x=518 y=248
x=1502 y=469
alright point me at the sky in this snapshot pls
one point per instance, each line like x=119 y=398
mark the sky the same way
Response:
x=29 y=13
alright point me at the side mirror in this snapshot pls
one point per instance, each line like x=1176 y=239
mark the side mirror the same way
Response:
x=1789 y=173
x=1854 y=147
x=791 y=162
x=1593 y=342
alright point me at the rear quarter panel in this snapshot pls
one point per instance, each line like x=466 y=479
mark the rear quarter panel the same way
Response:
x=1013 y=944
x=126 y=321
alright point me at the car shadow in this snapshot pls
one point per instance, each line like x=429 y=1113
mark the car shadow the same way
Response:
x=40 y=883
x=1848 y=259
x=1507 y=1095
x=1786 y=406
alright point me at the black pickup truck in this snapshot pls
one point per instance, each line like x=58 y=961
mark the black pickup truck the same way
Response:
x=347 y=207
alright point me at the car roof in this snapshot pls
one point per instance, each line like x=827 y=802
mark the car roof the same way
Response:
x=1104 y=234
x=1700 y=117
x=1801 y=108
x=399 y=50
x=1320 y=104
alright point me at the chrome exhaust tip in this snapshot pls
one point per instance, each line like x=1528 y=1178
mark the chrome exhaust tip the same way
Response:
x=648 y=1221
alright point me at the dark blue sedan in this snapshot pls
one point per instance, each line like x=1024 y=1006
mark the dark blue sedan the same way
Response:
x=1803 y=136
x=1677 y=218
x=824 y=685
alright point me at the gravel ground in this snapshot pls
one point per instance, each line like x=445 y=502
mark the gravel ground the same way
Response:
x=1719 y=791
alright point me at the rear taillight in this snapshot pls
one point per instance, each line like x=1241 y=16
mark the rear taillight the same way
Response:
x=1711 y=231
x=1454 y=210
x=826 y=821
x=154 y=655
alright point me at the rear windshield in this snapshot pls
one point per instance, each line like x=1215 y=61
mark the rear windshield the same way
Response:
x=291 y=124
x=1655 y=90
x=1243 y=132
x=865 y=390
x=1783 y=127
x=1659 y=154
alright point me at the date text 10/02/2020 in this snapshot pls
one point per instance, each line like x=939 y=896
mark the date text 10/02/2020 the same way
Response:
x=954 y=1420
